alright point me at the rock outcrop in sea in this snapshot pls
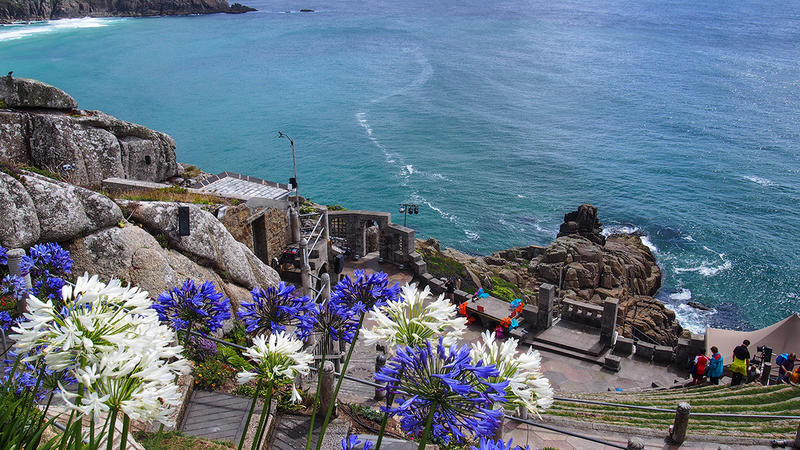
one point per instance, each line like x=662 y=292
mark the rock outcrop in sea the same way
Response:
x=28 y=10
x=53 y=155
x=581 y=263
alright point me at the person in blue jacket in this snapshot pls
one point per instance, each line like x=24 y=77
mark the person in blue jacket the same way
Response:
x=715 y=366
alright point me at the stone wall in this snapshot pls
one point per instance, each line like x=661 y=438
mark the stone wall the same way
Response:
x=276 y=223
x=396 y=243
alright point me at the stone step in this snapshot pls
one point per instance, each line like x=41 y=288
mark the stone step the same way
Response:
x=564 y=351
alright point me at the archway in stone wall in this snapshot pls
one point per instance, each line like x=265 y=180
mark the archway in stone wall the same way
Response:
x=369 y=232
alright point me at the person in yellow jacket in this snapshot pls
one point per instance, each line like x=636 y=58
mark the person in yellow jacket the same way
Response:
x=741 y=359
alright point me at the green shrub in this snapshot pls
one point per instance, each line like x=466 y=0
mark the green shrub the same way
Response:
x=212 y=374
x=230 y=356
x=238 y=335
x=504 y=290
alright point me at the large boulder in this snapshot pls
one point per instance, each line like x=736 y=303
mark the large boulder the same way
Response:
x=66 y=211
x=85 y=155
x=27 y=93
x=13 y=137
x=208 y=241
x=83 y=146
x=19 y=224
x=134 y=256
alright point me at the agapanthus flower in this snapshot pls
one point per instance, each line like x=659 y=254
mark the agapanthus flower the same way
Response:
x=50 y=265
x=365 y=291
x=20 y=375
x=3 y=256
x=277 y=358
x=14 y=286
x=5 y=320
x=409 y=321
x=426 y=376
x=109 y=338
x=336 y=319
x=487 y=444
x=274 y=308
x=527 y=386
x=352 y=442
x=202 y=306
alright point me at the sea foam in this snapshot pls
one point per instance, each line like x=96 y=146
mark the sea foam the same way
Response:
x=19 y=30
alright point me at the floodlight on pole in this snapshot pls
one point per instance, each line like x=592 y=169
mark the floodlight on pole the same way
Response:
x=294 y=165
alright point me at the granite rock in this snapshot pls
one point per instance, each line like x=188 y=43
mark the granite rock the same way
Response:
x=19 y=224
x=26 y=93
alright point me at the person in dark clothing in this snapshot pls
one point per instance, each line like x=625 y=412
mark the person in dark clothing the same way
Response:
x=741 y=359
x=450 y=286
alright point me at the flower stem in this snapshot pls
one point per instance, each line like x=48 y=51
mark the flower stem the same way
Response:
x=262 y=422
x=319 y=389
x=389 y=402
x=110 y=437
x=339 y=383
x=250 y=414
x=123 y=440
x=187 y=336
x=428 y=423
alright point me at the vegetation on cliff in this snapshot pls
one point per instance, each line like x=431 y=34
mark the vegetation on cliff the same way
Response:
x=26 y=10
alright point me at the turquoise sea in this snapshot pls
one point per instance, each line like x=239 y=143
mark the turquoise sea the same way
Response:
x=678 y=119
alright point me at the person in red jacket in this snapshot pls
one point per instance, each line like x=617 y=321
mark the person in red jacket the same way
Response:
x=699 y=372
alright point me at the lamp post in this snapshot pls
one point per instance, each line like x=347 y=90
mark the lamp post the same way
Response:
x=293 y=181
x=408 y=208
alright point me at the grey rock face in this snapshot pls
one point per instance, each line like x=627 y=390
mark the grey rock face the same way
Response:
x=13 y=137
x=86 y=147
x=27 y=93
x=59 y=9
x=19 y=224
x=93 y=153
x=209 y=240
x=65 y=211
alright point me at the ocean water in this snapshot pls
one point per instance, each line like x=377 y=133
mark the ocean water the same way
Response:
x=679 y=120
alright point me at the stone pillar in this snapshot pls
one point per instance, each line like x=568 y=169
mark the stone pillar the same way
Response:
x=326 y=231
x=294 y=224
x=609 y=321
x=305 y=270
x=765 y=372
x=15 y=256
x=498 y=432
x=380 y=361
x=677 y=432
x=326 y=392
x=522 y=412
x=635 y=443
x=544 y=317
x=326 y=287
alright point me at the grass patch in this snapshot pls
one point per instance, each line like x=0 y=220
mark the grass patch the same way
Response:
x=336 y=207
x=175 y=194
x=43 y=172
x=504 y=290
x=191 y=172
x=175 y=440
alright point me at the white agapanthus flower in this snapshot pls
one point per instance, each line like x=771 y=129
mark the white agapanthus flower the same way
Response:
x=527 y=385
x=111 y=341
x=278 y=357
x=410 y=321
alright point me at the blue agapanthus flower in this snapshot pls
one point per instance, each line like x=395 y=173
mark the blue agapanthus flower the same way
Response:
x=443 y=378
x=14 y=286
x=365 y=291
x=50 y=265
x=20 y=376
x=487 y=444
x=337 y=319
x=352 y=442
x=3 y=256
x=274 y=308
x=201 y=305
x=5 y=320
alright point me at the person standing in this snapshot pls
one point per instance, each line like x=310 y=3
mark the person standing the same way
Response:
x=450 y=286
x=741 y=359
x=715 y=366
x=699 y=372
x=785 y=366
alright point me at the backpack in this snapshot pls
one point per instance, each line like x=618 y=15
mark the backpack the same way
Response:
x=781 y=359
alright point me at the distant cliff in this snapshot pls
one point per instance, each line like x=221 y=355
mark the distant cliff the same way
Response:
x=23 y=10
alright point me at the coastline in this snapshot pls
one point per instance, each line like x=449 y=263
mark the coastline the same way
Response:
x=32 y=12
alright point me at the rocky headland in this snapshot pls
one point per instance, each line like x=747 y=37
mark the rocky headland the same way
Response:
x=31 y=10
x=54 y=157
x=583 y=265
